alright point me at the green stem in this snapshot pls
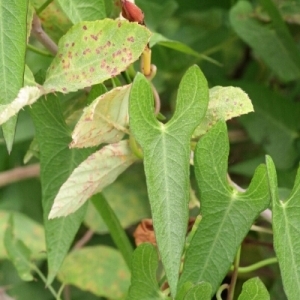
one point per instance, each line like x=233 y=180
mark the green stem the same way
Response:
x=112 y=222
x=61 y=289
x=234 y=275
x=218 y=47
x=220 y=290
x=38 y=51
x=260 y=264
x=135 y=148
x=41 y=275
x=42 y=7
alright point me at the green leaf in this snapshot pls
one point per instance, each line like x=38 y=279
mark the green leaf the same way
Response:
x=157 y=12
x=224 y=103
x=78 y=10
x=282 y=31
x=104 y=120
x=13 y=15
x=227 y=214
x=166 y=150
x=200 y=291
x=99 y=269
x=128 y=198
x=31 y=233
x=95 y=173
x=92 y=52
x=117 y=232
x=254 y=289
x=143 y=274
x=18 y=253
x=274 y=124
x=286 y=232
x=159 y=39
x=265 y=41
x=57 y=163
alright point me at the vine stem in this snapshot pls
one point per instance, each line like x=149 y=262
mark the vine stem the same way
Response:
x=256 y=266
x=38 y=51
x=234 y=275
x=42 y=36
x=220 y=290
x=41 y=275
x=19 y=173
x=42 y=7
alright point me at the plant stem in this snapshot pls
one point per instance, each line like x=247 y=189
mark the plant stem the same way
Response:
x=42 y=36
x=261 y=229
x=19 y=173
x=61 y=289
x=41 y=275
x=86 y=237
x=38 y=51
x=234 y=275
x=256 y=266
x=220 y=290
x=117 y=232
x=42 y=7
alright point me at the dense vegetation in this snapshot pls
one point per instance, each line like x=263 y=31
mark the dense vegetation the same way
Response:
x=149 y=156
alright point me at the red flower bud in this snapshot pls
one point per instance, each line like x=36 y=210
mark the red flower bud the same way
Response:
x=131 y=12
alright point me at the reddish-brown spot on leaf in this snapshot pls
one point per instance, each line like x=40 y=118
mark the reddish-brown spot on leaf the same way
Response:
x=114 y=71
x=87 y=50
x=85 y=38
x=94 y=37
x=119 y=24
x=70 y=54
x=84 y=27
x=73 y=44
x=108 y=43
x=63 y=61
x=92 y=69
x=67 y=45
x=130 y=39
x=64 y=89
x=60 y=55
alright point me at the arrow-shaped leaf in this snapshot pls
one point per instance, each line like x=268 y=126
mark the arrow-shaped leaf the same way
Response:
x=286 y=231
x=227 y=214
x=166 y=150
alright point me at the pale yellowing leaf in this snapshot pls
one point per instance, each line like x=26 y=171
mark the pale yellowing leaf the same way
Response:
x=224 y=103
x=104 y=120
x=95 y=173
x=26 y=96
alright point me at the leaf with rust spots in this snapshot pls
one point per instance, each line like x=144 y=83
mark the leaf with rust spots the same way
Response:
x=224 y=103
x=100 y=270
x=92 y=52
x=95 y=173
x=104 y=121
